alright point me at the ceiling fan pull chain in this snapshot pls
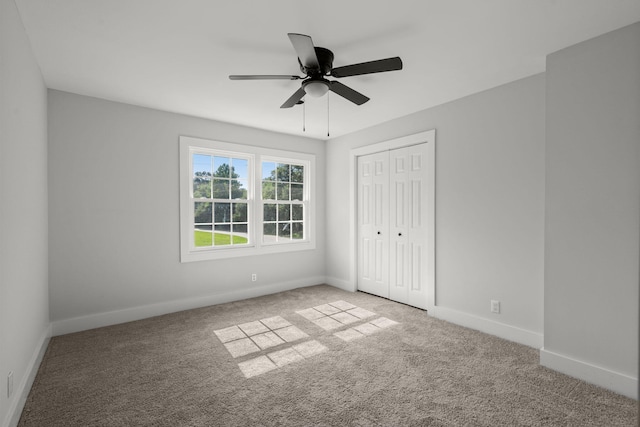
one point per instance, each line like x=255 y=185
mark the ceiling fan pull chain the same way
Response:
x=304 y=117
x=327 y=114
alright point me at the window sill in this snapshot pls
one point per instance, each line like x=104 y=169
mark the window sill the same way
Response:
x=236 y=252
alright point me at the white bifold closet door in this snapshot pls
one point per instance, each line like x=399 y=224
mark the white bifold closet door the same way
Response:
x=392 y=234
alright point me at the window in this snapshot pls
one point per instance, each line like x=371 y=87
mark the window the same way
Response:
x=283 y=201
x=238 y=200
x=220 y=199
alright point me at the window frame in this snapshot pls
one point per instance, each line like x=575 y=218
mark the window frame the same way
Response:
x=255 y=204
x=220 y=153
x=306 y=197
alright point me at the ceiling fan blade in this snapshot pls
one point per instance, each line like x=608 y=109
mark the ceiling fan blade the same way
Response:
x=379 y=66
x=348 y=93
x=263 y=77
x=305 y=50
x=297 y=96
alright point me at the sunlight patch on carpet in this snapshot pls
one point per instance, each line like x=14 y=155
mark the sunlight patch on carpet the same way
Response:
x=349 y=335
x=251 y=337
x=256 y=336
x=365 y=329
x=335 y=314
x=256 y=366
x=277 y=359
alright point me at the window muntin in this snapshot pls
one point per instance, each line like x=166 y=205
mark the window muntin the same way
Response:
x=217 y=200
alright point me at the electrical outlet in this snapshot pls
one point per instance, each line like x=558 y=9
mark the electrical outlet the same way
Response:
x=9 y=384
x=254 y=277
x=495 y=306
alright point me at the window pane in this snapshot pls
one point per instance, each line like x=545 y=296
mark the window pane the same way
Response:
x=283 y=191
x=240 y=235
x=269 y=212
x=268 y=190
x=239 y=188
x=201 y=163
x=283 y=172
x=201 y=176
x=202 y=236
x=284 y=230
x=297 y=173
x=297 y=230
x=222 y=235
x=297 y=212
x=222 y=212
x=269 y=232
x=202 y=212
x=296 y=191
x=240 y=168
x=239 y=212
x=202 y=188
x=284 y=212
x=220 y=189
x=240 y=229
x=221 y=167
x=268 y=171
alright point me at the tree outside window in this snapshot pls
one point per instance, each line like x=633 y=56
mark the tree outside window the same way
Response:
x=283 y=202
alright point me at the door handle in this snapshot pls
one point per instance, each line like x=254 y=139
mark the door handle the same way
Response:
x=378 y=232
x=399 y=234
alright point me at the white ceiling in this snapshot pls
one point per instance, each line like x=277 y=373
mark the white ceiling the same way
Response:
x=176 y=55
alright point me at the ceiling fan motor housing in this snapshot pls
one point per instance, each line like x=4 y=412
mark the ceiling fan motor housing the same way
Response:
x=325 y=60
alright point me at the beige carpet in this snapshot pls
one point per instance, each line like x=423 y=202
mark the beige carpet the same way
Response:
x=310 y=357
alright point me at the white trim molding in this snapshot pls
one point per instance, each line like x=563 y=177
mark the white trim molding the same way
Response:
x=98 y=320
x=501 y=330
x=593 y=374
x=16 y=405
x=345 y=285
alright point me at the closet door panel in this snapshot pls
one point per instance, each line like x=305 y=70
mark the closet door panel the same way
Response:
x=417 y=225
x=373 y=224
x=407 y=233
x=400 y=277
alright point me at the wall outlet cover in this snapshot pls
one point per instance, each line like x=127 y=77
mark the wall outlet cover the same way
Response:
x=495 y=306
x=9 y=384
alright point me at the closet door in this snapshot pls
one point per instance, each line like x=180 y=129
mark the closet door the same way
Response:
x=408 y=232
x=373 y=224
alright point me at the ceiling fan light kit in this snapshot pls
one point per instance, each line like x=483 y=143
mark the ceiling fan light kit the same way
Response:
x=316 y=88
x=316 y=63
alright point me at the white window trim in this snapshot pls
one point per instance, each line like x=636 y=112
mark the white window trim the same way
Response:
x=189 y=253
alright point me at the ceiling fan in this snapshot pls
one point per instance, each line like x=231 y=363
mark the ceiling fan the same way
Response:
x=316 y=63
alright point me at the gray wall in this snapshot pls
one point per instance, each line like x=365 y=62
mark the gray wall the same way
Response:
x=24 y=296
x=593 y=201
x=114 y=216
x=489 y=201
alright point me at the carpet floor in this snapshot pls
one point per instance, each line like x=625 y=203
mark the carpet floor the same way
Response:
x=314 y=356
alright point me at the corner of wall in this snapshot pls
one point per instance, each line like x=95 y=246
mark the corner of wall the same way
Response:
x=593 y=374
x=24 y=387
x=501 y=330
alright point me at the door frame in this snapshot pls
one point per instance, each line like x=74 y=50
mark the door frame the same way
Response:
x=428 y=137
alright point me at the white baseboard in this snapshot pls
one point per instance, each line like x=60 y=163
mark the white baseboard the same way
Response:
x=98 y=320
x=345 y=285
x=23 y=389
x=502 y=330
x=614 y=381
